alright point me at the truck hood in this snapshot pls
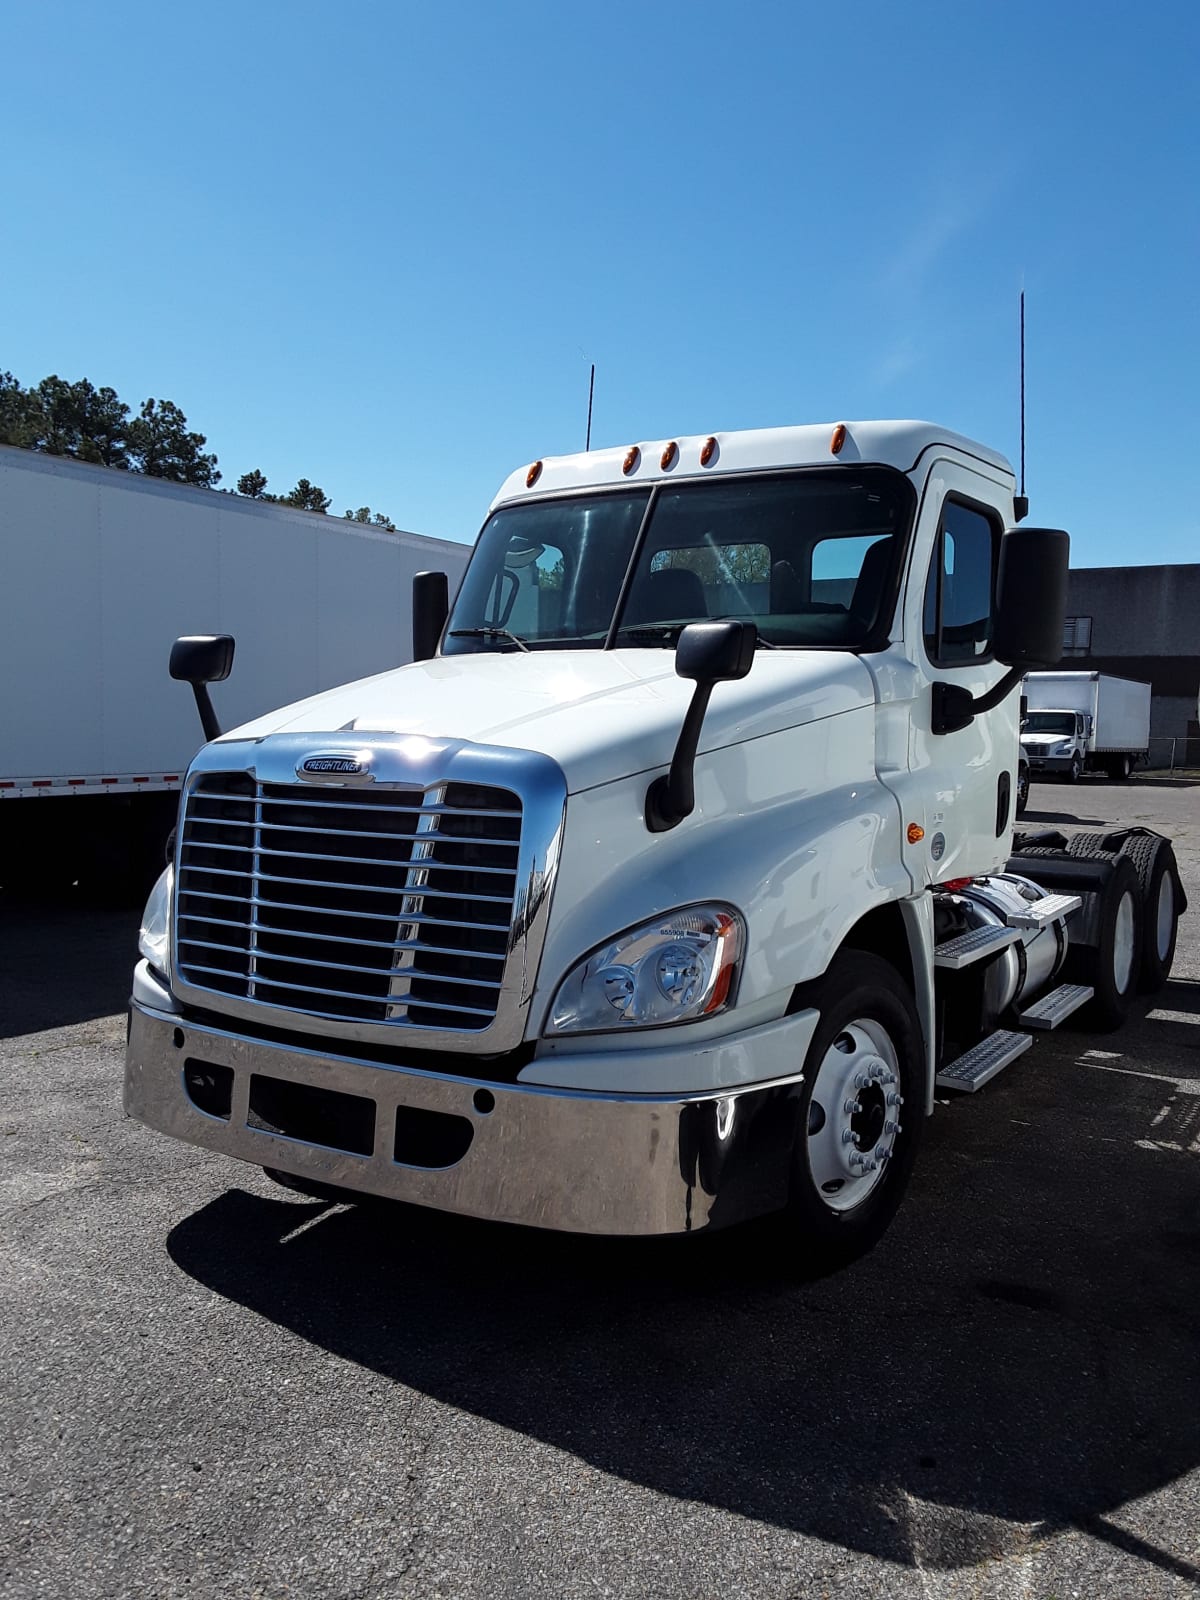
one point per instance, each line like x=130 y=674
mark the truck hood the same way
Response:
x=1043 y=741
x=600 y=714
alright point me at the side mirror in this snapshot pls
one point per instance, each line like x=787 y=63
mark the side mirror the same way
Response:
x=715 y=652
x=1031 y=597
x=708 y=653
x=430 y=608
x=1031 y=603
x=201 y=659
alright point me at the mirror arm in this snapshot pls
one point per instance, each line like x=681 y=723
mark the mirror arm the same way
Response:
x=671 y=798
x=999 y=691
x=954 y=707
x=208 y=717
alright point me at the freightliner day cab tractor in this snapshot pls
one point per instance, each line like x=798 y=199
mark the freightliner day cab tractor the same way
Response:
x=673 y=880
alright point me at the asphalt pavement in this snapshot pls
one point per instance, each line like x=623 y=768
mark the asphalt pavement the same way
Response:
x=212 y=1388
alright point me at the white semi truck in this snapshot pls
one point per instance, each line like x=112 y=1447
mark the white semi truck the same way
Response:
x=671 y=884
x=100 y=570
x=1077 y=722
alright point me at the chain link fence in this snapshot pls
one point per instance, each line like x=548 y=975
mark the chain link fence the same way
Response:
x=1170 y=754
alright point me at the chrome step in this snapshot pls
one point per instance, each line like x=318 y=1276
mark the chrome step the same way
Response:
x=966 y=948
x=1056 y=1006
x=1048 y=909
x=984 y=1060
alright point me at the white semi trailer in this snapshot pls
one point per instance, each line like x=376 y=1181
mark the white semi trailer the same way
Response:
x=100 y=571
x=674 y=881
x=1077 y=722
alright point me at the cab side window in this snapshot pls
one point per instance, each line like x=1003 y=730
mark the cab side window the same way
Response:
x=961 y=585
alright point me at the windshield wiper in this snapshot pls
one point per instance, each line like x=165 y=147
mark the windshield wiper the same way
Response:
x=668 y=633
x=652 y=633
x=488 y=633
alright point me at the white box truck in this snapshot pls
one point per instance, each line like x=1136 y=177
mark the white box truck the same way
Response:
x=1077 y=722
x=673 y=881
x=100 y=570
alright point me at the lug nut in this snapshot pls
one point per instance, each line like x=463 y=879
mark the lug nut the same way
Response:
x=848 y=1136
x=852 y=1108
x=895 y=1099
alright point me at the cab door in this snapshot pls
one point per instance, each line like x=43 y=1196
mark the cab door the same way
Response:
x=966 y=778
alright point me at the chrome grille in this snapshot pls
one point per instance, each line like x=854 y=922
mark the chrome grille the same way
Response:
x=367 y=905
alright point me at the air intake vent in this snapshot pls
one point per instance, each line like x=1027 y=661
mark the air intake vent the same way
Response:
x=369 y=905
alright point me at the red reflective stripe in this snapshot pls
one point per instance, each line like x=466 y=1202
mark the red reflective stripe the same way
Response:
x=172 y=779
x=8 y=783
x=75 y=782
x=110 y=780
x=42 y=783
x=141 y=780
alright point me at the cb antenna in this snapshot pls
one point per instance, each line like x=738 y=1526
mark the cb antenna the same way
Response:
x=591 y=392
x=1021 y=501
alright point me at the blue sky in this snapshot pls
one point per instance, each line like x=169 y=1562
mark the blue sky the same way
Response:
x=378 y=244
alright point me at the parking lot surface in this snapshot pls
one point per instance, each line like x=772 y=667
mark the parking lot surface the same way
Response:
x=213 y=1388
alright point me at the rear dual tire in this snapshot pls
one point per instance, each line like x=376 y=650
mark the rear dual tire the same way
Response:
x=1112 y=965
x=1153 y=861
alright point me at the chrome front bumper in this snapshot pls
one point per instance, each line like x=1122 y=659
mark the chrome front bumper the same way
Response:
x=548 y=1158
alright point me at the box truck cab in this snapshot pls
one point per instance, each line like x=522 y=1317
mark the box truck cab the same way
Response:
x=1055 y=742
x=664 y=890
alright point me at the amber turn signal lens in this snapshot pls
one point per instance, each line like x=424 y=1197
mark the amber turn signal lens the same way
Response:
x=668 y=456
x=915 y=833
x=632 y=456
x=708 y=451
x=838 y=439
x=534 y=473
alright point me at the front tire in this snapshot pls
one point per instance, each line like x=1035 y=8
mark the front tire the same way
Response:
x=311 y=1188
x=855 y=1147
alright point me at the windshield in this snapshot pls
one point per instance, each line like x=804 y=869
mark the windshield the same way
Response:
x=812 y=558
x=1062 y=722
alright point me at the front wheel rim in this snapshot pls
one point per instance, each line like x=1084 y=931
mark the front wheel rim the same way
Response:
x=1123 y=941
x=854 y=1114
x=1165 y=916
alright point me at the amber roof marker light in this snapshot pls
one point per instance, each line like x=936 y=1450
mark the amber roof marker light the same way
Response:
x=838 y=439
x=669 y=455
x=632 y=456
x=534 y=473
x=708 y=450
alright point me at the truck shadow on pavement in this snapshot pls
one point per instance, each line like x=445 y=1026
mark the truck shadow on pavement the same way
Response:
x=1036 y=814
x=47 y=938
x=1020 y=1356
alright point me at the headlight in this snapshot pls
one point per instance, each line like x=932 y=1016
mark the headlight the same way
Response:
x=675 y=969
x=1062 y=748
x=154 y=938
